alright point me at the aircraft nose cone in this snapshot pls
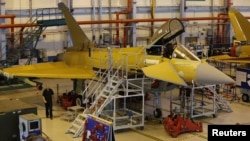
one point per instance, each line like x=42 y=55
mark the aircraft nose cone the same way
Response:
x=207 y=74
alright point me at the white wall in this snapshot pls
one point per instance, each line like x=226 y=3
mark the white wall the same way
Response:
x=49 y=41
x=25 y=4
x=240 y=2
x=206 y=3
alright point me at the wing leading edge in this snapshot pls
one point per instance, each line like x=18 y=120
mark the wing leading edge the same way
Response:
x=165 y=72
x=229 y=59
x=49 y=70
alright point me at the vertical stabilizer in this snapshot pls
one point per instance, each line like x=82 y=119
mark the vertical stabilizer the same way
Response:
x=79 y=38
x=240 y=25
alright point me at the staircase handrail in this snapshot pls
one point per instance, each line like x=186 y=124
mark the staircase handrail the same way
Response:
x=103 y=77
x=110 y=94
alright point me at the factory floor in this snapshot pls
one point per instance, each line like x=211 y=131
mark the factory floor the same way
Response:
x=153 y=130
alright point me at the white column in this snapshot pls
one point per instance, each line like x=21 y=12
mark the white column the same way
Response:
x=2 y=31
x=134 y=24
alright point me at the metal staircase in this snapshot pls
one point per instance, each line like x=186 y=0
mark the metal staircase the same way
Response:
x=102 y=95
x=100 y=80
x=23 y=44
x=102 y=99
x=198 y=106
x=77 y=126
x=28 y=43
x=220 y=102
x=106 y=94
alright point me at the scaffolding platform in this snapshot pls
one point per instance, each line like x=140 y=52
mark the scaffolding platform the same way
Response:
x=202 y=101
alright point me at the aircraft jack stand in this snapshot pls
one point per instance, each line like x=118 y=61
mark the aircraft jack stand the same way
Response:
x=177 y=125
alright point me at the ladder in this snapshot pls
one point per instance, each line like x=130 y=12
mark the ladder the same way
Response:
x=220 y=102
x=77 y=126
x=105 y=96
x=102 y=98
x=23 y=44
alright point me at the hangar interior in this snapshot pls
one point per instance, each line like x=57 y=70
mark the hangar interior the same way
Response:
x=205 y=25
x=138 y=107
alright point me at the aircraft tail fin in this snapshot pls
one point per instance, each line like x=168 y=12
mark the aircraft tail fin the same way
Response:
x=240 y=25
x=79 y=38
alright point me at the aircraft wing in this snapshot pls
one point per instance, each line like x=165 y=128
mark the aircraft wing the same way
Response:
x=229 y=59
x=165 y=72
x=49 y=70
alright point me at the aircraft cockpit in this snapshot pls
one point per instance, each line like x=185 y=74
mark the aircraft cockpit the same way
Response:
x=181 y=52
x=173 y=51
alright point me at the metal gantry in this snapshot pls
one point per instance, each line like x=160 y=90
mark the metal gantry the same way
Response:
x=202 y=101
x=110 y=94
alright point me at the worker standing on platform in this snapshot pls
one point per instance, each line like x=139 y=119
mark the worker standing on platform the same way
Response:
x=48 y=101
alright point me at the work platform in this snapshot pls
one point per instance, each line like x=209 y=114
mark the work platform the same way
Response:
x=199 y=101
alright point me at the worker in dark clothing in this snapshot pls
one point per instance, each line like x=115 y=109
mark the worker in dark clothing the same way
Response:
x=47 y=99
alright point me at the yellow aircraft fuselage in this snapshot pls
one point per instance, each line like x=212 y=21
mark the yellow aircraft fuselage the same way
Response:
x=99 y=57
x=136 y=59
x=242 y=51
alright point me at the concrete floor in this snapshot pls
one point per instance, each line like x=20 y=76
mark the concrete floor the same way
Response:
x=153 y=130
